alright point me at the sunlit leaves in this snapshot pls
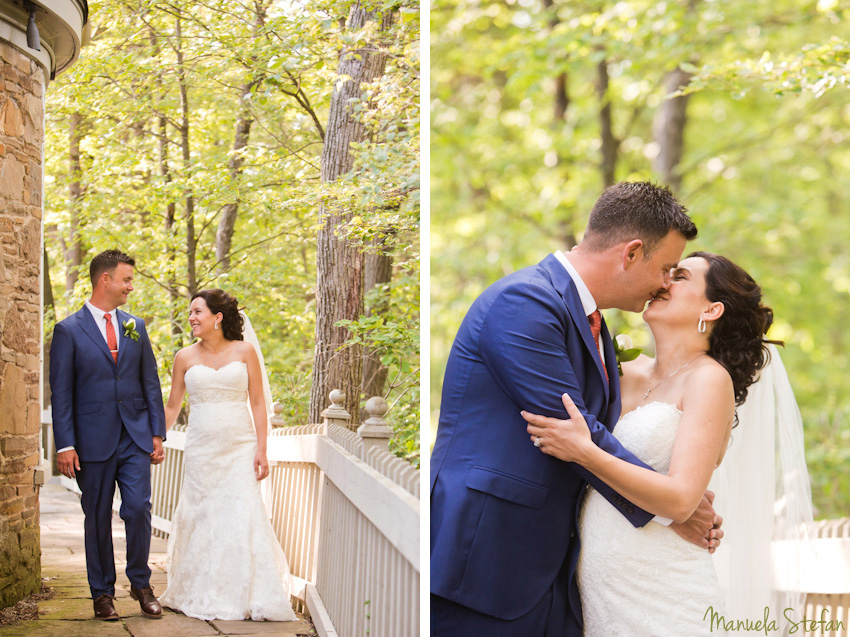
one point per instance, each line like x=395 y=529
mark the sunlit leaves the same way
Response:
x=135 y=180
x=764 y=165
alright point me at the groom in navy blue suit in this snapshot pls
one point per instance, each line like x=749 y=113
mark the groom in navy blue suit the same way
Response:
x=504 y=543
x=109 y=424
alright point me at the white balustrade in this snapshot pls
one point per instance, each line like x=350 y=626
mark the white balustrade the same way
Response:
x=344 y=509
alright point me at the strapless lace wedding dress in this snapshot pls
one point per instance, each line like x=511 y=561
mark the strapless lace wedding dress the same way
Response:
x=647 y=581
x=224 y=561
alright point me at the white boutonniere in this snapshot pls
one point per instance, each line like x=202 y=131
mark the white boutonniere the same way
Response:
x=130 y=329
x=626 y=351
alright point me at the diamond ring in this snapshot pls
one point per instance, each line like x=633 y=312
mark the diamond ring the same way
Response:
x=537 y=441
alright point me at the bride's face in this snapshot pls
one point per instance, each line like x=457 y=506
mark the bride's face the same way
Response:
x=685 y=301
x=201 y=320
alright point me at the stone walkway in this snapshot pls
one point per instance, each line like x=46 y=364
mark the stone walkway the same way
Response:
x=69 y=614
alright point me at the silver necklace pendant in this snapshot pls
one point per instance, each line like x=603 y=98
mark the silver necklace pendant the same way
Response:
x=651 y=387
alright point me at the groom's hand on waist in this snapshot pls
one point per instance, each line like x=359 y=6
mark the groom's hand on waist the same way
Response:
x=68 y=463
x=158 y=454
x=703 y=527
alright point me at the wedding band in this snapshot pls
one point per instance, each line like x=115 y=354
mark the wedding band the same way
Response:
x=537 y=441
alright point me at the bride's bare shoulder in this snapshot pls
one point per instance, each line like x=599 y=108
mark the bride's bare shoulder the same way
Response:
x=194 y=347
x=243 y=351
x=185 y=358
x=186 y=353
x=242 y=347
x=712 y=374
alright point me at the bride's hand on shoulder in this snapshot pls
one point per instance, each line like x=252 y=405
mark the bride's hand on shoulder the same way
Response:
x=567 y=440
x=261 y=465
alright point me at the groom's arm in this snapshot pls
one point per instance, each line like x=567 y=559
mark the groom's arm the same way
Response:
x=523 y=343
x=62 y=387
x=150 y=385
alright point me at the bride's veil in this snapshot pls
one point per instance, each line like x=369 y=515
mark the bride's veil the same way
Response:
x=763 y=494
x=250 y=336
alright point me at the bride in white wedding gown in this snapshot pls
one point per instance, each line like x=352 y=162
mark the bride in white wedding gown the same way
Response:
x=224 y=561
x=678 y=416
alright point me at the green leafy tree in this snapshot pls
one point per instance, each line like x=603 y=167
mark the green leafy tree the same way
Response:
x=190 y=135
x=537 y=105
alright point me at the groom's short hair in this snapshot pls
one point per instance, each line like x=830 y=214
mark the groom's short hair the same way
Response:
x=636 y=210
x=107 y=261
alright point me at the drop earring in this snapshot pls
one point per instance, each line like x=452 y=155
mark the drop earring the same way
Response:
x=216 y=326
x=701 y=326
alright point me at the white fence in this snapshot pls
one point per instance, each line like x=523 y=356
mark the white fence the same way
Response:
x=345 y=510
x=828 y=599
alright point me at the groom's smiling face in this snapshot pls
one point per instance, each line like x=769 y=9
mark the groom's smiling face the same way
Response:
x=120 y=284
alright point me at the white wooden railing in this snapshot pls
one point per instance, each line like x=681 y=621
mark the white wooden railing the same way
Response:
x=345 y=510
x=828 y=599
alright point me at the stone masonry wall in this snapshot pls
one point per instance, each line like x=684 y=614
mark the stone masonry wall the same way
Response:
x=21 y=137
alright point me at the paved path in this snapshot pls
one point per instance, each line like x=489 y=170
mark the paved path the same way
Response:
x=69 y=614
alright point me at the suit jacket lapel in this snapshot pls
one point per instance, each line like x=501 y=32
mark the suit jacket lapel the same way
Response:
x=122 y=340
x=565 y=286
x=89 y=326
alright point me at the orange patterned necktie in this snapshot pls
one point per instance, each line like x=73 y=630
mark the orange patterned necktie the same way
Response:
x=111 y=341
x=595 y=319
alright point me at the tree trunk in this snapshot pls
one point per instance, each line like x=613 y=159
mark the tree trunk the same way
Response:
x=339 y=286
x=668 y=128
x=562 y=99
x=73 y=247
x=606 y=131
x=174 y=297
x=227 y=223
x=562 y=96
x=561 y=103
x=189 y=199
x=379 y=270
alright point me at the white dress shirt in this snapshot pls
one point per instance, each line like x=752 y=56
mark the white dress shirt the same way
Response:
x=98 y=314
x=589 y=306
x=588 y=303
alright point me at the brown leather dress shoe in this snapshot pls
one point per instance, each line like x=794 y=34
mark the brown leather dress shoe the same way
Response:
x=104 y=608
x=147 y=602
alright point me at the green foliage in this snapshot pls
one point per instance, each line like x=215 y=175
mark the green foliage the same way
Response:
x=827 y=436
x=396 y=342
x=158 y=107
x=764 y=163
x=625 y=354
x=816 y=68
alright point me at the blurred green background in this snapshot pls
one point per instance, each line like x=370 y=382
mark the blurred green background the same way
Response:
x=742 y=107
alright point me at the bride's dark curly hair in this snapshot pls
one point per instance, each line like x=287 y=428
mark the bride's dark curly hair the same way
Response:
x=737 y=338
x=220 y=301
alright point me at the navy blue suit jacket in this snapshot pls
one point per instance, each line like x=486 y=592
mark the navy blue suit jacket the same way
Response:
x=503 y=514
x=91 y=396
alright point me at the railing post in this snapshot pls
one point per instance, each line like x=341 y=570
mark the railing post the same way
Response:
x=375 y=432
x=336 y=414
x=276 y=420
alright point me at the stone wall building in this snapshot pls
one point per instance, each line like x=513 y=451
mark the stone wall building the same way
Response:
x=24 y=76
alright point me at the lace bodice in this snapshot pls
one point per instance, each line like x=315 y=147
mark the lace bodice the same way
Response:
x=649 y=432
x=227 y=384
